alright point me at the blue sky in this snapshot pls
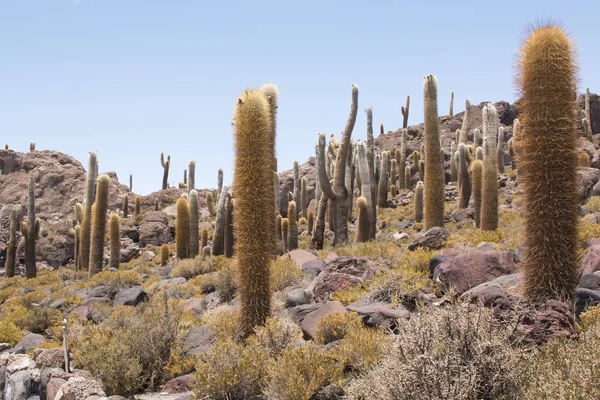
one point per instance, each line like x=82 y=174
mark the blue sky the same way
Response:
x=132 y=78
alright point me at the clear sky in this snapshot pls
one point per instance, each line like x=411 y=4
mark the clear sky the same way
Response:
x=132 y=78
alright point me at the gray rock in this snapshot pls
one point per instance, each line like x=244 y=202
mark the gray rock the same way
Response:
x=199 y=340
x=19 y=386
x=53 y=386
x=51 y=358
x=590 y=281
x=296 y=297
x=130 y=297
x=378 y=313
x=29 y=341
x=313 y=267
x=433 y=239
x=298 y=313
x=79 y=388
x=4 y=347
x=99 y=291
x=58 y=303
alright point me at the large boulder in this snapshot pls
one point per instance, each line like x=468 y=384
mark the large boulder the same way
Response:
x=468 y=270
x=19 y=386
x=53 y=386
x=591 y=260
x=80 y=388
x=51 y=358
x=541 y=324
x=130 y=297
x=55 y=249
x=341 y=273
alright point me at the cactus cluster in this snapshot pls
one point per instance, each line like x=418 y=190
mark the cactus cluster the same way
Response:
x=165 y=164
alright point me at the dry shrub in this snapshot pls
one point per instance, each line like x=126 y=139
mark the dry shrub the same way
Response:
x=457 y=352
x=225 y=282
x=284 y=273
x=115 y=280
x=334 y=326
x=39 y=319
x=361 y=348
x=277 y=335
x=189 y=268
x=223 y=321
x=592 y=205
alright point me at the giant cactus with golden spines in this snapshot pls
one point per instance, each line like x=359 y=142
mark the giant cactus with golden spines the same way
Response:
x=489 y=189
x=547 y=74
x=253 y=211
x=114 y=223
x=86 y=224
x=182 y=228
x=99 y=225
x=464 y=181
x=194 y=245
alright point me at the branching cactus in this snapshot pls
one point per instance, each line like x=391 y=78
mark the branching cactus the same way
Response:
x=194 y=246
x=466 y=124
x=500 y=150
x=99 y=225
x=405 y=109
x=30 y=231
x=182 y=228
x=11 y=251
x=419 y=202
x=218 y=245
x=114 y=224
x=434 y=177
x=464 y=181
x=165 y=164
x=477 y=172
x=489 y=189
x=362 y=227
x=547 y=74
x=86 y=225
x=451 y=110
x=338 y=193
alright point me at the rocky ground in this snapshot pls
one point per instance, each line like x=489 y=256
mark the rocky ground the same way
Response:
x=142 y=330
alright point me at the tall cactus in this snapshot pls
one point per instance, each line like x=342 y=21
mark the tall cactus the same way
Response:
x=203 y=238
x=293 y=225
x=130 y=182
x=407 y=178
x=451 y=110
x=500 y=150
x=362 y=225
x=86 y=225
x=338 y=193
x=476 y=137
x=489 y=189
x=365 y=180
x=285 y=231
x=547 y=73
x=219 y=182
x=99 y=225
x=464 y=182
x=192 y=175
x=434 y=178
x=370 y=148
x=490 y=129
x=137 y=206
x=393 y=169
x=466 y=124
x=419 y=202
x=311 y=221
x=477 y=172
x=194 y=246
x=115 y=240
x=382 y=188
x=218 y=246
x=229 y=238
x=30 y=231
x=296 y=183
x=303 y=197
x=211 y=204
x=11 y=251
x=403 y=154
x=453 y=169
x=182 y=228
x=125 y=206
x=405 y=110
x=165 y=165
x=319 y=229
x=253 y=210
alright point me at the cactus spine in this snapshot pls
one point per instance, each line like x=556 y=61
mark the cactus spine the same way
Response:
x=547 y=73
x=11 y=251
x=164 y=254
x=362 y=225
x=138 y=206
x=405 y=109
x=419 y=202
x=464 y=183
x=303 y=197
x=194 y=246
x=451 y=111
x=165 y=165
x=500 y=150
x=86 y=225
x=192 y=175
x=99 y=225
x=182 y=228
x=218 y=245
x=466 y=124
x=125 y=206
x=338 y=193
x=434 y=191
x=229 y=238
x=293 y=222
x=115 y=241
x=253 y=210
x=489 y=189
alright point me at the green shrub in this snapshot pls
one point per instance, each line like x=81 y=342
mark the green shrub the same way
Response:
x=361 y=348
x=115 y=280
x=277 y=335
x=284 y=273
x=336 y=325
x=188 y=268
x=39 y=319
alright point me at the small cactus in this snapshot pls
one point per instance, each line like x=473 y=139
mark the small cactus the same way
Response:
x=419 y=202
x=278 y=235
x=407 y=178
x=194 y=245
x=182 y=228
x=405 y=109
x=382 y=188
x=130 y=182
x=362 y=225
x=415 y=158
x=32 y=147
x=476 y=137
x=203 y=238
x=587 y=129
x=138 y=206
x=219 y=182
x=206 y=252
x=99 y=225
x=393 y=191
x=156 y=204
x=583 y=159
x=164 y=255
x=311 y=221
x=477 y=171
x=165 y=165
x=393 y=169
x=115 y=240
x=403 y=154
x=422 y=170
x=479 y=154
x=296 y=191
x=125 y=206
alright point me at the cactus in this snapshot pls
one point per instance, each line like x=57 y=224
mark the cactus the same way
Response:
x=76 y=247
x=32 y=147
x=490 y=129
x=125 y=206
x=203 y=237
x=278 y=235
x=192 y=175
x=511 y=152
x=219 y=183
x=489 y=189
x=586 y=106
x=362 y=224
x=407 y=178
x=422 y=170
x=319 y=229
x=587 y=129
x=349 y=177
x=393 y=169
x=583 y=159
x=451 y=111
x=194 y=245
x=293 y=225
x=405 y=109
x=165 y=165
x=137 y=207
x=130 y=182
x=229 y=238
x=253 y=212
x=338 y=193
x=479 y=154
x=464 y=182
x=271 y=93
x=182 y=228
x=466 y=125
x=311 y=221
x=30 y=231
x=206 y=252
x=156 y=204
x=393 y=191
x=99 y=225
x=296 y=183
x=547 y=73
x=276 y=192
x=415 y=158
x=370 y=149
x=285 y=229
x=453 y=170
x=419 y=202
x=218 y=246
x=477 y=171
x=476 y=137
x=115 y=240
x=382 y=188
x=500 y=150
x=86 y=225
x=164 y=255
x=185 y=182
x=303 y=197
x=434 y=191
x=363 y=171
x=211 y=204
x=11 y=251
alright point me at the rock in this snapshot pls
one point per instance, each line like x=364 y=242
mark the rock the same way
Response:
x=433 y=239
x=199 y=340
x=53 y=386
x=296 y=297
x=313 y=267
x=154 y=233
x=434 y=262
x=128 y=250
x=58 y=302
x=79 y=388
x=51 y=358
x=464 y=214
x=298 y=313
x=541 y=325
x=55 y=249
x=341 y=273
x=178 y=385
x=195 y=305
x=148 y=255
x=301 y=256
x=399 y=236
x=468 y=270
x=130 y=297
x=311 y=321
x=18 y=386
x=501 y=293
x=4 y=347
x=591 y=260
x=164 y=396
x=586 y=298
x=100 y=291
x=29 y=341
x=378 y=313
x=590 y=281
x=19 y=362
x=82 y=311
x=485 y=246
x=586 y=179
